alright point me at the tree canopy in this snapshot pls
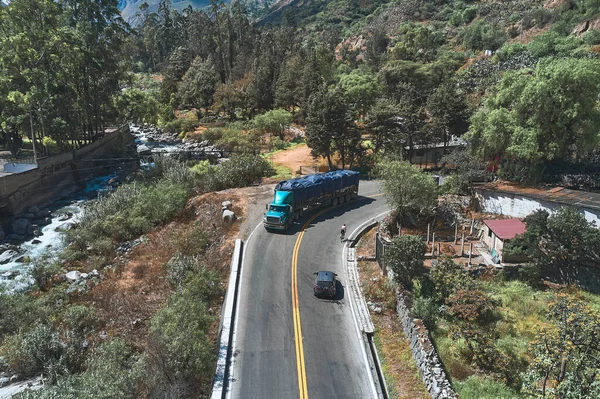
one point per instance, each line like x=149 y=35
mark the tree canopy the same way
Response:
x=541 y=115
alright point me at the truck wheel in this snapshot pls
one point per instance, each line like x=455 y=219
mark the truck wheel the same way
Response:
x=348 y=197
x=335 y=201
x=342 y=199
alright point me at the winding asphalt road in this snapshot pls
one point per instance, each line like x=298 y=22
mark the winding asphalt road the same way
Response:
x=276 y=305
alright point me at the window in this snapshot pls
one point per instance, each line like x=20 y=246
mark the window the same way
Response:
x=489 y=232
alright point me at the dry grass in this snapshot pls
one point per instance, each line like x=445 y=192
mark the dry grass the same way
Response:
x=131 y=293
x=399 y=368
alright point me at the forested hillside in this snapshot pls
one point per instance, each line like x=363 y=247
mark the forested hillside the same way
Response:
x=400 y=73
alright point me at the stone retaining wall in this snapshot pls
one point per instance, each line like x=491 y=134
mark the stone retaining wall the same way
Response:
x=424 y=353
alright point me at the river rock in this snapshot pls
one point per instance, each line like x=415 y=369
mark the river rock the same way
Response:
x=8 y=275
x=32 y=229
x=21 y=259
x=21 y=226
x=35 y=242
x=16 y=239
x=4 y=381
x=42 y=222
x=2 y=234
x=44 y=213
x=228 y=216
x=6 y=256
x=65 y=217
x=34 y=209
x=73 y=275
x=144 y=150
x=6 y=246
x=29 y=215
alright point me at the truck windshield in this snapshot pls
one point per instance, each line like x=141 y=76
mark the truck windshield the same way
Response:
x=277 y=208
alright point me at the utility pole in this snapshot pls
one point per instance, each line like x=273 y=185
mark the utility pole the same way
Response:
x=32 y=138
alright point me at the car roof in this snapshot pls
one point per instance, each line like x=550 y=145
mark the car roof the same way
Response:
x=325 y=276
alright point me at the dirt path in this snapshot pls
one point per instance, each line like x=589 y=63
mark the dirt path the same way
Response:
x=296 y=157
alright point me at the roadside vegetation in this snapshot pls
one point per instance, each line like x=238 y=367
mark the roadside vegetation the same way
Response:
x=529 y=332
x=109 y=337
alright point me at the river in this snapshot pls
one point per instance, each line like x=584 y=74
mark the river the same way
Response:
x=66 y=212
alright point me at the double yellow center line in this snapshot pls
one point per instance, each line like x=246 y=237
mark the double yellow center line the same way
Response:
x=300 y=365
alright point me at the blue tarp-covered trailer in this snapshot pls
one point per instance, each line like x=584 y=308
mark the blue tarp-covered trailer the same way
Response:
x=293 y=197
x=314 y=188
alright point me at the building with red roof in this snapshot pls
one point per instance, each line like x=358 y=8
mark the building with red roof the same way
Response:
x=497 y=232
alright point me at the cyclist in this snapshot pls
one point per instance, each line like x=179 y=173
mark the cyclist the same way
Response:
x=343 y=232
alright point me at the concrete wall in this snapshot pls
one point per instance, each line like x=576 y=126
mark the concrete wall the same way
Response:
x=491 y=240
x=519 y=206
x=59 y=174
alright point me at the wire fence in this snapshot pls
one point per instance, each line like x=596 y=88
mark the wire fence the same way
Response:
x=380 y=246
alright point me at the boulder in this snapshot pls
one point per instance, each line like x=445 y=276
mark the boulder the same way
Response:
x=8 y=275
x=42 y=222
x=16 y=239
x=29 y=215
x=73 y=275
x=6 y=256
x=35 y=242
x=225 y=205
x=21 y=226
x=44 y=213
x=34 y=209
x=65 y=217
x=228 y=216
x=144 y=150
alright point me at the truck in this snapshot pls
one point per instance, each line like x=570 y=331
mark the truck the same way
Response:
x=295 y=196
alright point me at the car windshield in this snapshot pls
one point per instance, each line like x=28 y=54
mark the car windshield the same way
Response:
x=277 y=208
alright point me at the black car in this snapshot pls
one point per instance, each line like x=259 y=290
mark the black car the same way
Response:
x=325 y=283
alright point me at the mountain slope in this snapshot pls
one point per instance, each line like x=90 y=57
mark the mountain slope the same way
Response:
x=130 y=7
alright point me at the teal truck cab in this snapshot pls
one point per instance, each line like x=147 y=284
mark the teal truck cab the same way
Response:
x=293 y=197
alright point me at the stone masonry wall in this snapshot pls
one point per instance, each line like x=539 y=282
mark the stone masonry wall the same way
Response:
x=424 y=353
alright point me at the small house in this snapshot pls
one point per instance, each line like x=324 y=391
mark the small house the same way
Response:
x=497 y=232
x=427 y=154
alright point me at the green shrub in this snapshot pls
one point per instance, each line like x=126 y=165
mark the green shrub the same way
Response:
x=42 y=270
x=112 y=373
x=279 y=144
x=181 y=125
x=592 y=37
x=34 y=351
x=80 y=320
x=183 y=347
x=469 y=14
x=483 y=35
x=425 y=309
x=179 y=269
x=213 y=134
x=201 y=168
x=483 y=388
x=132 y=209
x=240 y=171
